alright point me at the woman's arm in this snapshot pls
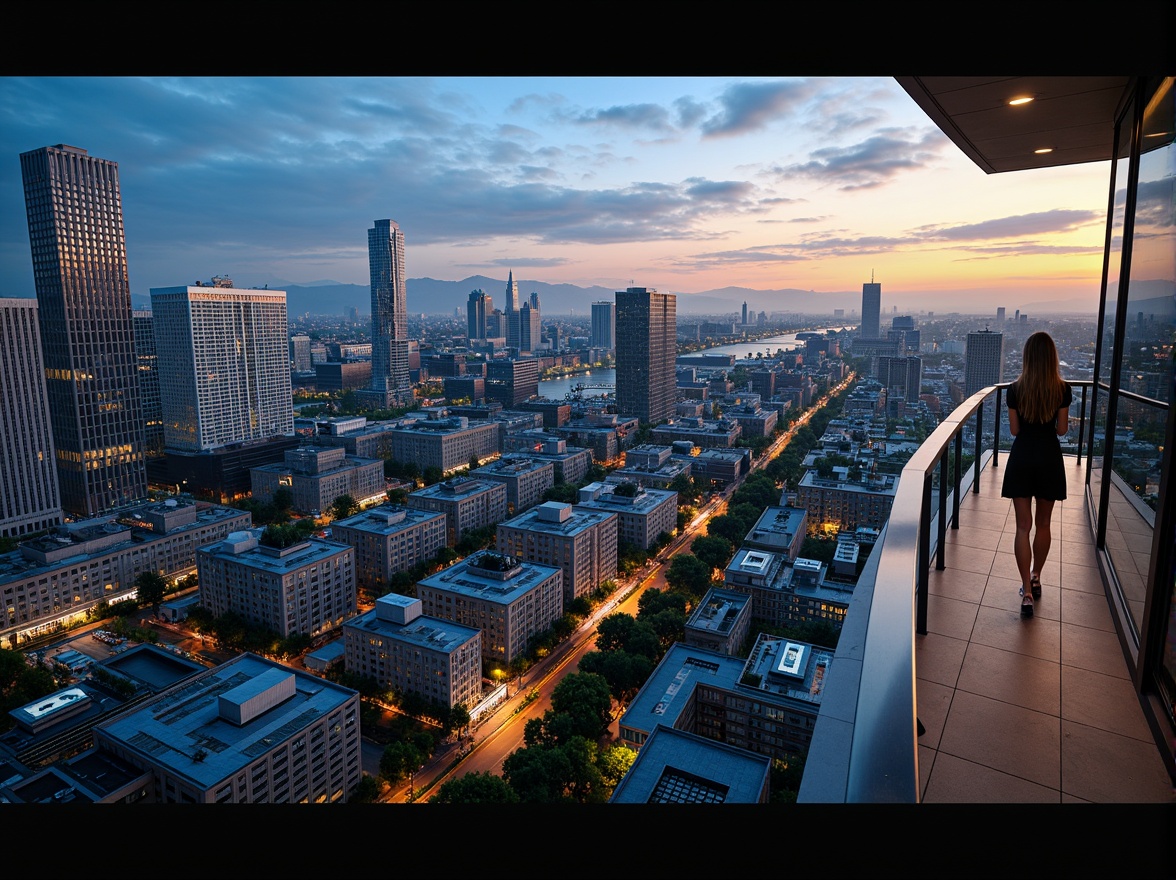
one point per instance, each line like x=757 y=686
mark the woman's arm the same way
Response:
x=1063 y=420
x=1014 y=422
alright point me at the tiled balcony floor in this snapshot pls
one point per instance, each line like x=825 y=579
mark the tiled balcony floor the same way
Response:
x=1027 y=711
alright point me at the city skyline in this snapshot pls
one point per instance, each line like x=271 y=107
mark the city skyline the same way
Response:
x=686 y=184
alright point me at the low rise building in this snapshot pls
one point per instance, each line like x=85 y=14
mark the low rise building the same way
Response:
x=509 y=600
x=779 y=530
x=579 y=541
x=446 y=443
x=317 y=475
x=704 y=433
x=767 y=704
x=720 y=622
x=247 y=731
x=307 y=587
x=389 y=539
x=395 y=645
x=56 y=578
x=467 y=504
x=570 y=463
x=643 y=514
x=526 y=479
x=676 y=767
x=836 y=502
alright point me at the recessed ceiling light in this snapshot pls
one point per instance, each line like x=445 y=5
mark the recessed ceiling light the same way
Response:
x=1044 y=150
x=1016 y=102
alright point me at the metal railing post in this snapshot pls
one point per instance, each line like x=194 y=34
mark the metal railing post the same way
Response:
x=922 y=578
x=959 y=464
x=976 y=462
x=996 y=429
x=942 y=536
x=1081 y=424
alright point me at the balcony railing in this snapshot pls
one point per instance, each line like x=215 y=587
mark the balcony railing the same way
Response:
x=865 y=743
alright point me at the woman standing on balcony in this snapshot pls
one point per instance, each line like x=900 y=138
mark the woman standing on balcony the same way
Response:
x=1039 y=409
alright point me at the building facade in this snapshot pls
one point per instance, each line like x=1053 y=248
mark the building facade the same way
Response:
x=390 y=375
x=983 y=360
x=74 y=208
x=604 y=316
x=525 y=479
x=29 y=499
x=397 y=646
x=148 y=364
x=317 y=475
x=224 y=365
x=480 y=306
x=871 y=310
x=467 y=504
x=642 y=517
x=56 y=579
x=388 y=540
x=307 y=588
x=249 y=731
x=647 y=344
x=580 y=542
x=510 y=601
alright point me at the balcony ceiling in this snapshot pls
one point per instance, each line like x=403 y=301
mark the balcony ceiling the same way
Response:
x=1073 y=115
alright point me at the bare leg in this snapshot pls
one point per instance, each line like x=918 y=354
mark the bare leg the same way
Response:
x=1022 y=550
x=1042 y=536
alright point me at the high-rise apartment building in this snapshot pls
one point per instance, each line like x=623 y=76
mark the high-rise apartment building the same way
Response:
x=74 y=209
x=300 y=358
x=646 y=331
x=871 y=310
x=149 y=399
x=29 y=501
x=983 y=360
x=224 y=365
x=530 y=333
x=603 y=325
x=390 y=370
x=480 y=306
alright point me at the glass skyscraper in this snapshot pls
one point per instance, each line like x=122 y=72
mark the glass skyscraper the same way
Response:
x=74 y=208
x=390 y=374
x=647 y=336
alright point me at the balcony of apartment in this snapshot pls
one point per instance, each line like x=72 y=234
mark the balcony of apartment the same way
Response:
x=941 y=693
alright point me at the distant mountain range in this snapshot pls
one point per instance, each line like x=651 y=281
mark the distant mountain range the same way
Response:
x=431 y=296
x=434 y=297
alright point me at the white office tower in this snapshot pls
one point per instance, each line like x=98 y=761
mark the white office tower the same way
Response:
x=983 y=360
x=390 y=349
x=29 y=500
x=224 y=365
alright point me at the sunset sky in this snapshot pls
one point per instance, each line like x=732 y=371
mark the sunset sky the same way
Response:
x=682 y=184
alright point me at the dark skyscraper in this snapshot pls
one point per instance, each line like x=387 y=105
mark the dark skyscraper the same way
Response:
x=74 y=208
x=479 y=307
x=29 y=501
x=871 y=310
x=983 y=360
x=603 y=325
x=389 y=313
x=647 y=335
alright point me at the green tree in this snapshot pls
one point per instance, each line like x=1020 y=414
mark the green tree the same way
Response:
x=475 y=788
x=151 y=587
x=433 y=474
x=584 y=696
x=283 y=500
x=690 y=575
x=624 y=672
x=366 y=791
x=714 y=550
x=538 y=774
x=344 y=506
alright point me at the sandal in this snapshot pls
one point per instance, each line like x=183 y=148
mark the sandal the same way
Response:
x=1035 y=586
x=1026 y=603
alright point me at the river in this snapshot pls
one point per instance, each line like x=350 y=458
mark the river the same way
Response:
x=558 y=389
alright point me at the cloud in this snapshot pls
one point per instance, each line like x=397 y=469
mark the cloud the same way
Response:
x=749 y=107
x=648 y=117
x=872 y=162
x=1017 y=226
x=528 y=262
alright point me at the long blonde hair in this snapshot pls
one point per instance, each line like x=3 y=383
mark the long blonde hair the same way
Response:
x=1040 y=388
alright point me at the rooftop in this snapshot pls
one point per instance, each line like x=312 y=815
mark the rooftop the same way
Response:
x=186 y=730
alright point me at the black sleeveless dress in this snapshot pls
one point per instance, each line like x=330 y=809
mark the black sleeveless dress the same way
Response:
x=1034 y=468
